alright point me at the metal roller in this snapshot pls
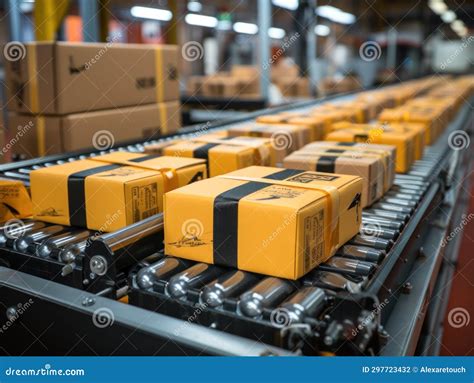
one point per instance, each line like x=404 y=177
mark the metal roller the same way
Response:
x=267 y=293
x=10 y=232
x=409 y=197
x=399 y=201
x=362 y=253
x=376 y=230
x=371 y=241
x=28 y=242
x=332 y=281
x=399 y=189
x=226 y=286
x=349 y=266
x=387 y=214
x=196 y=276
x=307 y=302
x=52 y=246
x=159 y=270
x=382 y=222
x=394 y=208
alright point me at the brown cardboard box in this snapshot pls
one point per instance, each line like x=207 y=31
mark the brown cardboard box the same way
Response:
x=294 y=87
x=194 y=85
x=99 y=129
x=388 y=153
x=222 y=87
x=316 y=124
x=271 y=221
x=60 y=78
x=369 y=167
x=250 y=77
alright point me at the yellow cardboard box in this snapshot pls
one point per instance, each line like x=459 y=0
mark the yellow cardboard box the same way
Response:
x=287 y=137
x=271 y=221
x=317 y=125
x=404 y=142
x=109 y=192
x=226 y=155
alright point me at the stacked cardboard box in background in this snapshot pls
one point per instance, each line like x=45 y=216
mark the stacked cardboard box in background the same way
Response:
x=80 y=96
x=243 y=81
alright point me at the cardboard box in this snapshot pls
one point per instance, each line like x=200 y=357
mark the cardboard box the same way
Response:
x=369 y=167
x=417 y=130
x=316 y=124
x=293 y=87
x=194 y=85
x=224 y=156
x=388 y=153
x=433 y=126
x=109 y=192
x=286 y=137
x=60 y=78
x=270 y=221
x=249 y=76
x=404 y=142
x=100 y=129
x=227 y=87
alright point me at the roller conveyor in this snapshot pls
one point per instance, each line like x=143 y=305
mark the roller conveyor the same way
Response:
x=347 y=306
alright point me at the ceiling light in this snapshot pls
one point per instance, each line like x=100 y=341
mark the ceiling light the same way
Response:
x=200 y=20
x=151 y=13
x=457 y=25
x=448 y=16
x=247 y=28
x=438 y=7
x=287 y=4
x=276 y=33
x=322 y=30
x=194 y=6
x=335 y=14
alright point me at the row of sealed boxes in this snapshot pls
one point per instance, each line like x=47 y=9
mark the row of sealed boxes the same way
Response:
x=250 y=214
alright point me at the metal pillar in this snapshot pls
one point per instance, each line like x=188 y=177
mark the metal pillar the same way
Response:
x=392 y=48
x=264 y=20
x=312 y=47
x=89 y=10
x=14 y=15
